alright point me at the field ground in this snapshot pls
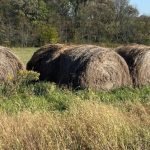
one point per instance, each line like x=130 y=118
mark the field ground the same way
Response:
x=24 y=53
x=43 y=116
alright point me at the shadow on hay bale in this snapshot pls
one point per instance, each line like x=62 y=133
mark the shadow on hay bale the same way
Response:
x=138 y=60
x=83 y=66
x=9 y=64
x=45 y=61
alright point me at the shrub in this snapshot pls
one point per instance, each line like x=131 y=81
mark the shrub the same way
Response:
x=48 y=34
x=13 y=84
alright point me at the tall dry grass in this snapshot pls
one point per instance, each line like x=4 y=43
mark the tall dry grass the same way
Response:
x=87 y=125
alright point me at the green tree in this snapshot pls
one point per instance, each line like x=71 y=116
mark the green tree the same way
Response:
x=48 y=34
x=36 y=22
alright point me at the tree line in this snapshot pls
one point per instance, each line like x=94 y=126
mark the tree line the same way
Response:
x=37 y=22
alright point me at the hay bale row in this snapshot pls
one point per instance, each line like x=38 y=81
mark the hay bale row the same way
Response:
x=138 y=60
x=9 y=64
x=83 y=66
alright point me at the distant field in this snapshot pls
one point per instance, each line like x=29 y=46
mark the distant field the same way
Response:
x=43 y=116
x=24 y=53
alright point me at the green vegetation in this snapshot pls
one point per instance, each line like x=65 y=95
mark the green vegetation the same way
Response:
x=47 y=97
x=27 y=23
x=41 y=115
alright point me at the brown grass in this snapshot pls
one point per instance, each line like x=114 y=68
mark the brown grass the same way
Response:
x=88 y=125
x=82 y=66
x=138 y=60
x=9 y=64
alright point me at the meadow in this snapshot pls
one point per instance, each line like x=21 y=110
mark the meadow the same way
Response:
x=42 y=116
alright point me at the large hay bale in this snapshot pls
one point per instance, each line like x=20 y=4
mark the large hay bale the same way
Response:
x=9 y=64
x=88 y=66
x=83 y=66
x=138 y=60
x=45 y=61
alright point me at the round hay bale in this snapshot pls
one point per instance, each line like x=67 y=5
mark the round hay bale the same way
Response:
x=83 y=66
x=45 y=61
x=138 y=60
x=9 y=64
x=88 y=66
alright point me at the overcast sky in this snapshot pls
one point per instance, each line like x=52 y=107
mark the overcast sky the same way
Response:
x=142 y=5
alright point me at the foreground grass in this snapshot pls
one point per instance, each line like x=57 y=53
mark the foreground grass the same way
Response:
x=88 y=125
x=46 y=96
x=44 y=116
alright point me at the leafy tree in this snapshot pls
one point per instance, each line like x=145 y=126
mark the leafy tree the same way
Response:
x=48 y=34
x=37 y=22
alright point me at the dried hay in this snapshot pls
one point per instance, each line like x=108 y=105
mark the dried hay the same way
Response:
x=138 y=60
x=88 y=66
x=83 y=66
x=9 y=64
x=45 y=61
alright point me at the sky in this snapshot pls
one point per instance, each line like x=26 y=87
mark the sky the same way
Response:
x=142 y=5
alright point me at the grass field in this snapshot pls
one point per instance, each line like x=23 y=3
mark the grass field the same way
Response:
x=24 y=53
x=43 y=116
